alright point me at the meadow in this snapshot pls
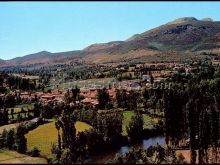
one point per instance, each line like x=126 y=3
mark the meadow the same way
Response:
x=44 y=136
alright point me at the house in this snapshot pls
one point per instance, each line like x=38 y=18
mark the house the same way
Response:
x=2 y=95
x=112 y=93
x=25 y=95
x=129 y=85
x=138 y=66
x=89 y=101
x=131 y=68
x=48 y=97
x=215 y=62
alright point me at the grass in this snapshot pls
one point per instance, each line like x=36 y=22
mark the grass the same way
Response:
x=84 y=83
x=45 y=135
x=13 y=157
x=156 y=112
x=128 y=74
x=148 y=121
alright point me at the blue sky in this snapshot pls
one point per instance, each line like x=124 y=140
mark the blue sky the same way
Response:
x=30 y=27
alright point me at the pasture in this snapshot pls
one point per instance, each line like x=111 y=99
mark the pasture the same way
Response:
x=44 y=136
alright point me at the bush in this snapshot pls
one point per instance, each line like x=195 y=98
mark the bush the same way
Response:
x=35 y=152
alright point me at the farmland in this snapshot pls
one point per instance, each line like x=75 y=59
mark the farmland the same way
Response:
x=45 y=136
x=18 y=108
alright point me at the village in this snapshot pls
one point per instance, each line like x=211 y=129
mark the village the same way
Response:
x=146 y=73
x=121 y=92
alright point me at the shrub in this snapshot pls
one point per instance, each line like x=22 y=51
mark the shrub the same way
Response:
x=35 y=152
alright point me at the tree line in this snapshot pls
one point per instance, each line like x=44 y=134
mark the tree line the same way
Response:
x=192 y=112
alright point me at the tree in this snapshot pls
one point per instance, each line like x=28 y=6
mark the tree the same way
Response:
x=67 y=97
x=67 y=156
x=132 y=100
x=151 y=78
x=152 y=155
x=35 y=152
x=135 y=127
x=121 y=98
x=36 y=109
x=10 y=139
x=12 y=113
x=20 y=140
x=75 y=93
x=4 y=138
x=103 y=98
x=9 y=101
x=146 y=96
x=109 y=123
x=67 y=123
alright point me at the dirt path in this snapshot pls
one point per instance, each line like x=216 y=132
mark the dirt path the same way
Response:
x=8 y=127
x=13 y=157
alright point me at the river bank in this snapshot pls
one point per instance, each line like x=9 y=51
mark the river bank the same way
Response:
x=101 y=158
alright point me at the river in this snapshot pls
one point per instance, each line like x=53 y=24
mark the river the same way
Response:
x=144 y=144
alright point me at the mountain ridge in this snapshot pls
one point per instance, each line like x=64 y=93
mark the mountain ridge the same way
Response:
x=180 y=35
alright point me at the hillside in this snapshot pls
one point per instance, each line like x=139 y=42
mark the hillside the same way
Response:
x=2 y=62
x=166 y=42
x=181 y=34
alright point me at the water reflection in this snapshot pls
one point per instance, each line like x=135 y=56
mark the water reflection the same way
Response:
x=145 y=143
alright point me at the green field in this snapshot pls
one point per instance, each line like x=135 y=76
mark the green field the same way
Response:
x=13 y=157
x=45 y=135
x=83 y=83
x=127 y=74
x=148 y=121
x=18 y=108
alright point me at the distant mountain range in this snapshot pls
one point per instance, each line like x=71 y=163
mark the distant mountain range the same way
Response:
x=182 y=36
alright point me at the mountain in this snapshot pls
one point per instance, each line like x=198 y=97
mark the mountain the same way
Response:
x=182 y=34
x=170 y=41
x=2 y=62
x=44 y=58
x=32 y=58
